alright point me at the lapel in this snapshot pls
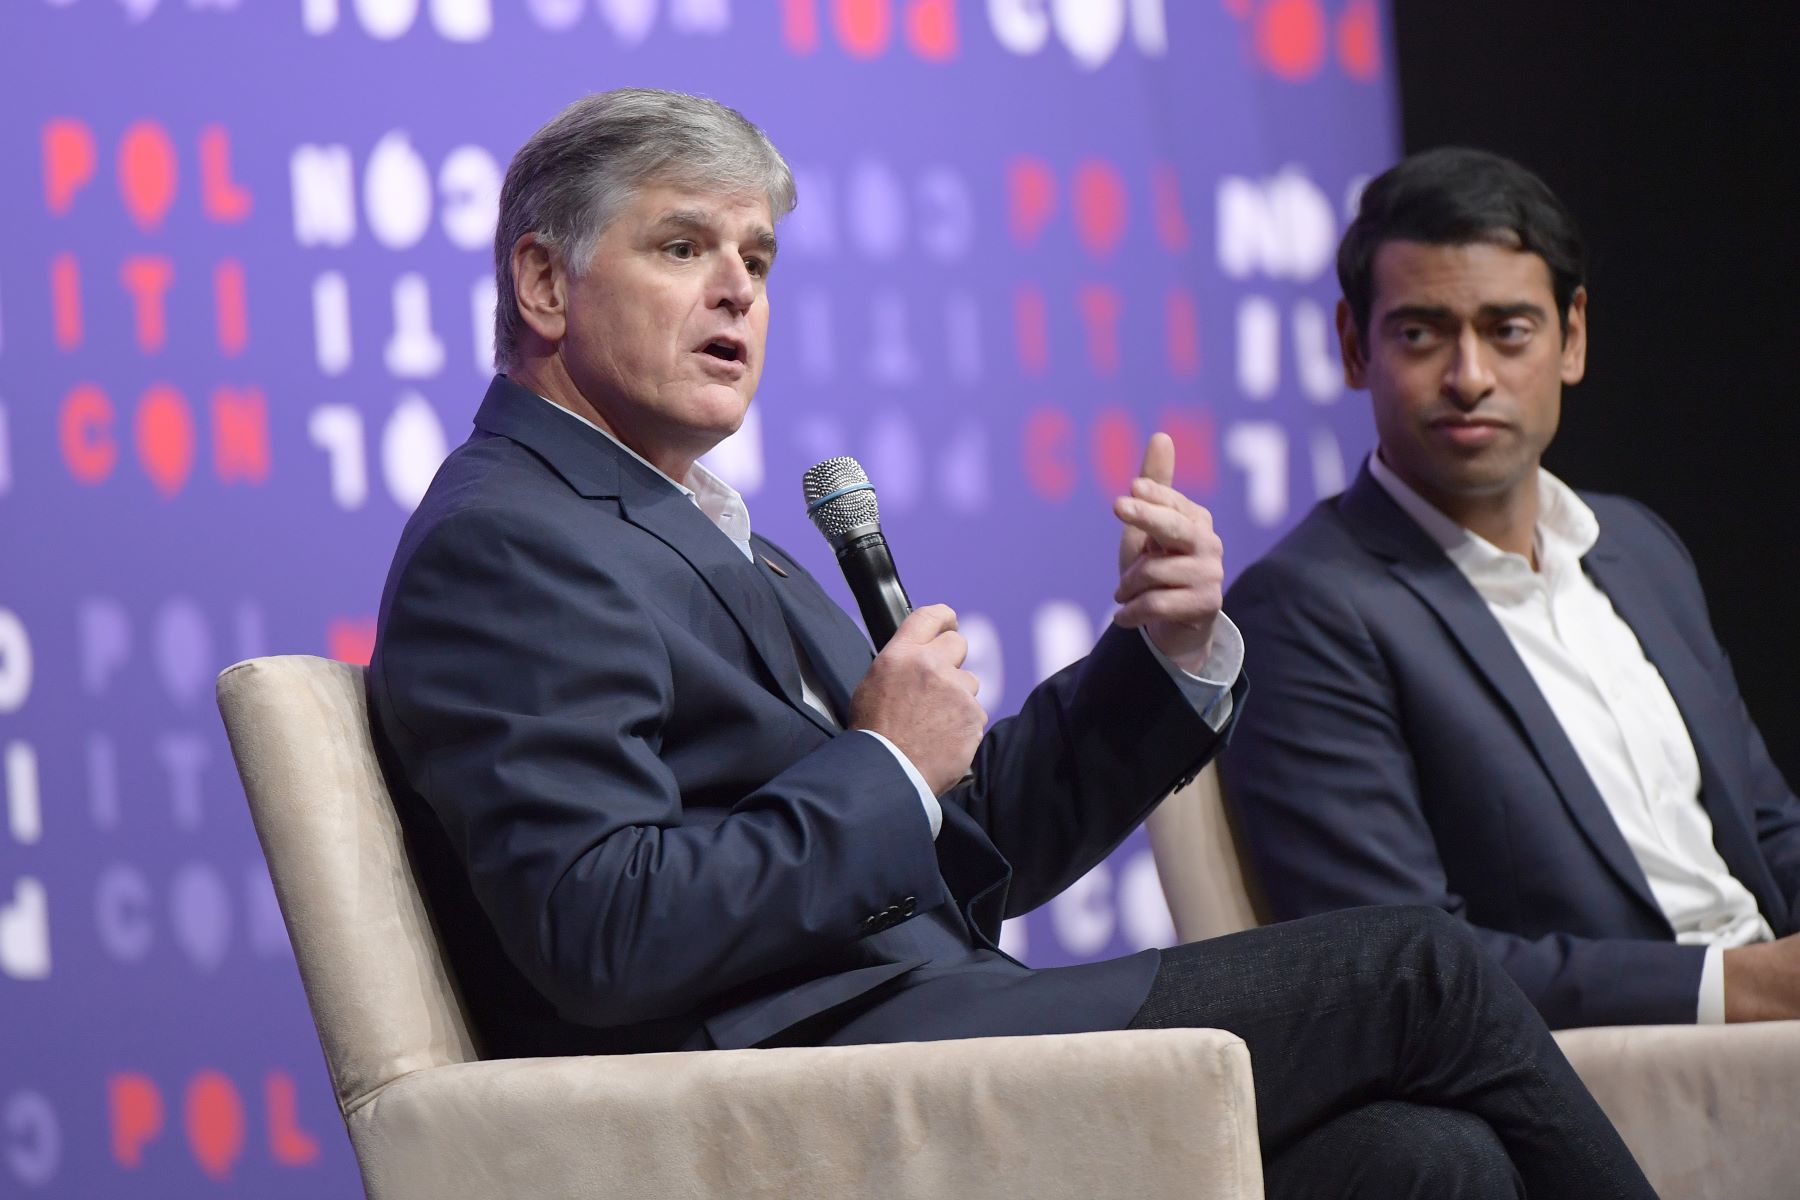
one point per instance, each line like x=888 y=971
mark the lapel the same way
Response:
x=840 y=655
x=1637 y=598
x=595 y=467
x=1420 y=566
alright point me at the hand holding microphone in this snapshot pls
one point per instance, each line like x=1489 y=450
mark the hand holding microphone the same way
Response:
x=916 y=693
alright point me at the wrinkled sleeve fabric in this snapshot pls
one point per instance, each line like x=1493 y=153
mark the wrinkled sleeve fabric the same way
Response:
x=534 y=689
x=1323 y=784
x=1089 y=754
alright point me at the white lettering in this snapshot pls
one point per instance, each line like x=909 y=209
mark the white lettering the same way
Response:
x=24 y=815
x=397 y=193
x=324 y=189
x=469 y=186
x=414 y=351
x=1260 y=450
x=337 y=429
x=331 y=323
x=412 y=449
x=15 y=662
x=25 y=931
x=1258 y=347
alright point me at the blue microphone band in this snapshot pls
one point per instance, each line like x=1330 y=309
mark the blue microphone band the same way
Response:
x=843 y=491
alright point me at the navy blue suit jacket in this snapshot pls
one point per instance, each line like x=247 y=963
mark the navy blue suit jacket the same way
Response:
x=636 y=835
x=1398 y=751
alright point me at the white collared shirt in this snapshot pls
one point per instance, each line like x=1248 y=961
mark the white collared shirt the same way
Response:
x=1616 y=709
x=724 y=507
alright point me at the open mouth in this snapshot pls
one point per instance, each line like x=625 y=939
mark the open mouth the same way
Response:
x=724 y=351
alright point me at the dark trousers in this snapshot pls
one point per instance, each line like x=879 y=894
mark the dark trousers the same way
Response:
x=1394 y=1059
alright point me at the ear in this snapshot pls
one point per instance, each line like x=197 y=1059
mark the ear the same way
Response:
x=1574 y=348
x=540 y=288
x=1350 y=347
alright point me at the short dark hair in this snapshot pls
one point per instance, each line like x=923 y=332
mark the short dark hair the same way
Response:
x=1453 y=196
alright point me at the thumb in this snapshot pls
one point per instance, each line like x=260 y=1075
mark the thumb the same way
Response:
x=1159 y=460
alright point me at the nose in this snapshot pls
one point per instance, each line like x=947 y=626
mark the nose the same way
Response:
x=1468 y=377
x=733 y=287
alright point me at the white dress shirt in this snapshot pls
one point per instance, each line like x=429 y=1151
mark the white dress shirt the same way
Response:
x=725 y=508
x=1612 y=703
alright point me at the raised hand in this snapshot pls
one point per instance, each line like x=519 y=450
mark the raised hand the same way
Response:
x=1171 y=563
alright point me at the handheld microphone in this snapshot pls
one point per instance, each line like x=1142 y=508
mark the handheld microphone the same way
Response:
x=841 y=502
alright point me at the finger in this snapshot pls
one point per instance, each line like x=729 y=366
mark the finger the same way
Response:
x=950 y=647
x=1159 y=459
x=1172 y=571
x=971 y=681
x=1151 y=492
x=924 y=624
x=1182 y=606
x=1172 y=531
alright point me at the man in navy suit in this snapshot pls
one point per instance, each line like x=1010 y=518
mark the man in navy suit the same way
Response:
x=662 y=795
x=1480 y=690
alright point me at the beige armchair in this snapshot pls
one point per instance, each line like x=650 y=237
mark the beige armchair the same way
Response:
x=1710 y=1112
x=1151 y=1114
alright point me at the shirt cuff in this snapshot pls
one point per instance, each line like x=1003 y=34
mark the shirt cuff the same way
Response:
x=934 y=812
x=1711 y=1010
x=1207 y=682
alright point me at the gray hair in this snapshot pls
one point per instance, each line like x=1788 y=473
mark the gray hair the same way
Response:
x=576 y=174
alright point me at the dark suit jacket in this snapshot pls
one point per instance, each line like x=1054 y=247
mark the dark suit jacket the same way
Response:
x=1399 y=752
x=636 y=835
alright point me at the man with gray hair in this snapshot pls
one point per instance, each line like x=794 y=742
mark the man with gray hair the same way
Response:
x=662 y=796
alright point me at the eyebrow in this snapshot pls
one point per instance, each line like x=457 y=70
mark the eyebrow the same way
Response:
x=1437 y=314
x=698 y=222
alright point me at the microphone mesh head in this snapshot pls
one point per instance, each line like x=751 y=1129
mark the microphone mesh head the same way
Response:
x=840 y=514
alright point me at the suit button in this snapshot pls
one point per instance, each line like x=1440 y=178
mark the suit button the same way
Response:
x=909 y=906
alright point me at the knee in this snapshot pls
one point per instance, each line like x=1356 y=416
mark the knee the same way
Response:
x=1435 y=1152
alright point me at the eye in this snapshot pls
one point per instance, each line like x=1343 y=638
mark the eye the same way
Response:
x=758 y=267
x=681 y=250
x=1514 y=332
x=1416 y=337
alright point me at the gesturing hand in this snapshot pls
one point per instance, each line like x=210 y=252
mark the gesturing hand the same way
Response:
x=917 y=696
x=1171 y=563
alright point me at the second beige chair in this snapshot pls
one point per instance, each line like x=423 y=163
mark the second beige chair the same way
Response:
x=1709 y=1111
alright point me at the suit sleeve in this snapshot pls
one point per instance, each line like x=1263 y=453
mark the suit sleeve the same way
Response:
x=532 y=690
x=1775 y=810
x=1091 y=751
x=1323 y=787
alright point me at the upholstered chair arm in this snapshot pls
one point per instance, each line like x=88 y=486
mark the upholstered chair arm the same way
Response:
x=1138 y=1113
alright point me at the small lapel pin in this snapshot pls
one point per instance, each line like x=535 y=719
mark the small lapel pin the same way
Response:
x=773 y=566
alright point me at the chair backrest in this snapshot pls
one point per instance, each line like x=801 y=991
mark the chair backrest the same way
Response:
x=1205 y=878
x=381 y=994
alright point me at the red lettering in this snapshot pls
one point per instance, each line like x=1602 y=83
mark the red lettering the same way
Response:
x=1031 y=329
x=147 y=277
x=232 y=307
x=931 y=29
x=1359 y=41
x=1049 y=434
x=1196 y=449
x=222 y=198
x=1100 y=308
x=863 y=26
x=1117 y=450
x=240 y=435
x=1099 y=206
x=1030 y=198
x=1182 y=322
x=165 y=438
x=147 y=173
x=214 y=1116
x=350 y=640
x=85 y=432
x=289 y=1145
x=800 y=25
x=65 y=301
x=69 y=161
x=1290 y=38
x=136 y=1108
x=1165 y=207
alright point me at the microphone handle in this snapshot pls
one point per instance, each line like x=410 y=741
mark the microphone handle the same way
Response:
x=869 y=570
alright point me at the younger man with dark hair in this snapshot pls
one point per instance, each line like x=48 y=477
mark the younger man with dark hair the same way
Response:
x=1480 y=690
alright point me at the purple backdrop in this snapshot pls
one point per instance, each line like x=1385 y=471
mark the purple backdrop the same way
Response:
x=245 y=301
